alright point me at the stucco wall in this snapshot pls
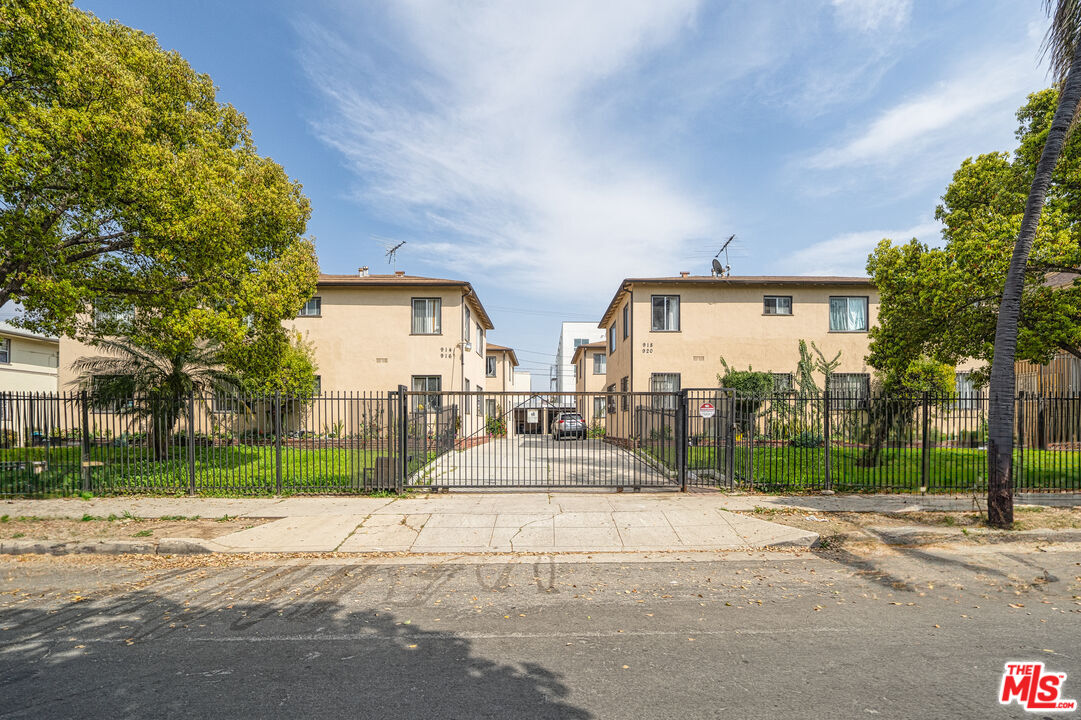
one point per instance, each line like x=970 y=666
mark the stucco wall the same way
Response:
x=32 y=367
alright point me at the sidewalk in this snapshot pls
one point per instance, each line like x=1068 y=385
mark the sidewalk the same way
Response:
x=489 y=522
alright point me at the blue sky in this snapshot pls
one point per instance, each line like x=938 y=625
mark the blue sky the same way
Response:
x=544 y=151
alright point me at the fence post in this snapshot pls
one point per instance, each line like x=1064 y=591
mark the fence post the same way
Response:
x=1041 y=422
x=681 y=439
x=278 y=441
x=925 y=444
x=826 y=435
x=191 y=442
x=1019 y=468
x=403 y=437
x=84 y=448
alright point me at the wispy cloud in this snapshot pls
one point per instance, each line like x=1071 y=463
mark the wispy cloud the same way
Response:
x=872 y=15
x=487 y=139
x=846 y=254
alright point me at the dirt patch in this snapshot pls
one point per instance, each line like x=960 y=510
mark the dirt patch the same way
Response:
x=853 y=523
x=120 y=528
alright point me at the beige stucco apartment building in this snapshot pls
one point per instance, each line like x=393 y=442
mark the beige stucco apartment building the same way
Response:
x=28 y=361
x=669 y=333
x=590 y=363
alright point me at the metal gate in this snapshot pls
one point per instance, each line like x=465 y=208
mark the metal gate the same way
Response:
x=624 y=440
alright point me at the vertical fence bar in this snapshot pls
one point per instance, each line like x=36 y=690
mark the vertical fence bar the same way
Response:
x=403 y=439
x=1019 y=467
x=84 y=448
x=925 y=443
x=681 y=438
x=826 y=440
x=278 y=442
x=191 y=442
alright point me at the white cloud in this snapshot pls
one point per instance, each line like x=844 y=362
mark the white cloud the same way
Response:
x=488 y=146
x=846 y=254
x=872 y=15
x=946 y=113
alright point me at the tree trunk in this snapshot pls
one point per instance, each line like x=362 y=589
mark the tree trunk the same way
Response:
x=1003 y=380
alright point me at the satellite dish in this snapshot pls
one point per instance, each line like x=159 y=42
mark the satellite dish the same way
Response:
x=718 y=269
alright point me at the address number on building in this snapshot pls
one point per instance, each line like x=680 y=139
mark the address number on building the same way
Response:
x=707 y=410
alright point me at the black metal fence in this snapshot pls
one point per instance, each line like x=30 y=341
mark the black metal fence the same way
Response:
x=67 y=443
x=860 y=443
x=64 y=444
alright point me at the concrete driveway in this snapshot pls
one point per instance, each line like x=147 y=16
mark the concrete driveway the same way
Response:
x=540 y=461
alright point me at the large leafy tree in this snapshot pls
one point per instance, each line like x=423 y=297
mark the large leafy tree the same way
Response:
x=125 y=184
x=946 y=302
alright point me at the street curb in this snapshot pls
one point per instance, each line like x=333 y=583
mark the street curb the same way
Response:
x=923 y=536
x=169 y=546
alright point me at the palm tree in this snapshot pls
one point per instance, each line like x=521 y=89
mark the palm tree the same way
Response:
x=149 y=385
x=1064 y=49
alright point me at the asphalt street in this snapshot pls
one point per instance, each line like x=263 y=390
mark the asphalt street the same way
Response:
x=823 y=634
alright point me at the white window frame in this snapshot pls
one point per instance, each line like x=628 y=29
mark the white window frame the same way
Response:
x=603 y=364
x=5 y=351
x=627 y=320
x=600 y=408
x=612 y=338
x=432 y=403
x=491 y=364
x=848 y=299
x=665 y=402
x=434 y=304
x=467 y=327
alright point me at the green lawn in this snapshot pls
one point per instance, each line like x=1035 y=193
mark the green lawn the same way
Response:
x=234 y=470
x=949 y=469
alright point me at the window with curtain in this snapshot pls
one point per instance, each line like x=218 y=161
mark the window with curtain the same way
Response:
x=600 y=407
x=665 y=313
x=664 y=383
x=489 y=365
x=611 y=398
x=612 y=338
x=467 y=326
x=777 y=305
x=465 y=400
x=427 y=314
x=5 y=351
x=427 y=384
x=489 y=406
x=848 y=314
x=966 y=392
x=627 y=320
x=480 y=340
x=600 y=363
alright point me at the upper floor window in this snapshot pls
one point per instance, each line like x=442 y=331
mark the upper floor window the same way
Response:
x=489 y=366
x=5 y=351
x=427 y=316
x=105 y=316
x=312 y=308
x=848 y=314
x=612 y=338
x=626 y=321
x=580 y=341
x=600 y=363
x=777 y=305
x=467 y=326
x=665 y=313
x=480 y=340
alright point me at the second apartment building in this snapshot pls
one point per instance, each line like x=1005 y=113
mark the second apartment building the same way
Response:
x=664 y=334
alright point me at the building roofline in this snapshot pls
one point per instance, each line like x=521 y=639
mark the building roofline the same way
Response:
x=6 y=329
x=761 y=280
x=382 y=281
x=599 y=345
x=492 y=347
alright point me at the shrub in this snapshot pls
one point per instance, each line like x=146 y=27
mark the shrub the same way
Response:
x=807 y=439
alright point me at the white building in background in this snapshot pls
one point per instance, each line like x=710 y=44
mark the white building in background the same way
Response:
x=521 y=381
x=28 y=361
x=571 y=335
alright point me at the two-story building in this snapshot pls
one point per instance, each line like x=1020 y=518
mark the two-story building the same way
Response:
x=590 y=362
x=28 y=360
x=669 y=333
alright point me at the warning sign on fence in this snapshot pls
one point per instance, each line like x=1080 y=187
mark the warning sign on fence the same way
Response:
x=707 y=410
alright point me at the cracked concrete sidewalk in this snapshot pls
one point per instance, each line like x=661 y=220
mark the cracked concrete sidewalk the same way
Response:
x=488 y=522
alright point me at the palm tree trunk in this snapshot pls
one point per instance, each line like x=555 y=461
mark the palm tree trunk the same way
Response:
x=1003 y=381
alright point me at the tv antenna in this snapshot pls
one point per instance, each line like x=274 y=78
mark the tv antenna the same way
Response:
x=392 y=252
x=718 y=269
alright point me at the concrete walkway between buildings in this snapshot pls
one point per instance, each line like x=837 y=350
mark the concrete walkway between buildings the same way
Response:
x=492 y=522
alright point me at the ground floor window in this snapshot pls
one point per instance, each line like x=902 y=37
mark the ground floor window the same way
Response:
x=966 y=392
x=782 y=382
x=427 y=384
x=600 y=407
x=612 y=398
x=848 y=389
x=667 y=383
x=490 y=407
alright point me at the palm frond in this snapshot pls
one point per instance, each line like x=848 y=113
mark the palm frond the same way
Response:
x=1063 y=36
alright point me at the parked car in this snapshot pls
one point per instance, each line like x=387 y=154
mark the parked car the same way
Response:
x=568 y=425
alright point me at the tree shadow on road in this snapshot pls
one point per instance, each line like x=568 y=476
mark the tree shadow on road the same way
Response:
x=143 y=654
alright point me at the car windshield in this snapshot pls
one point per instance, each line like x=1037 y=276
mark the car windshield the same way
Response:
x=572 y=416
